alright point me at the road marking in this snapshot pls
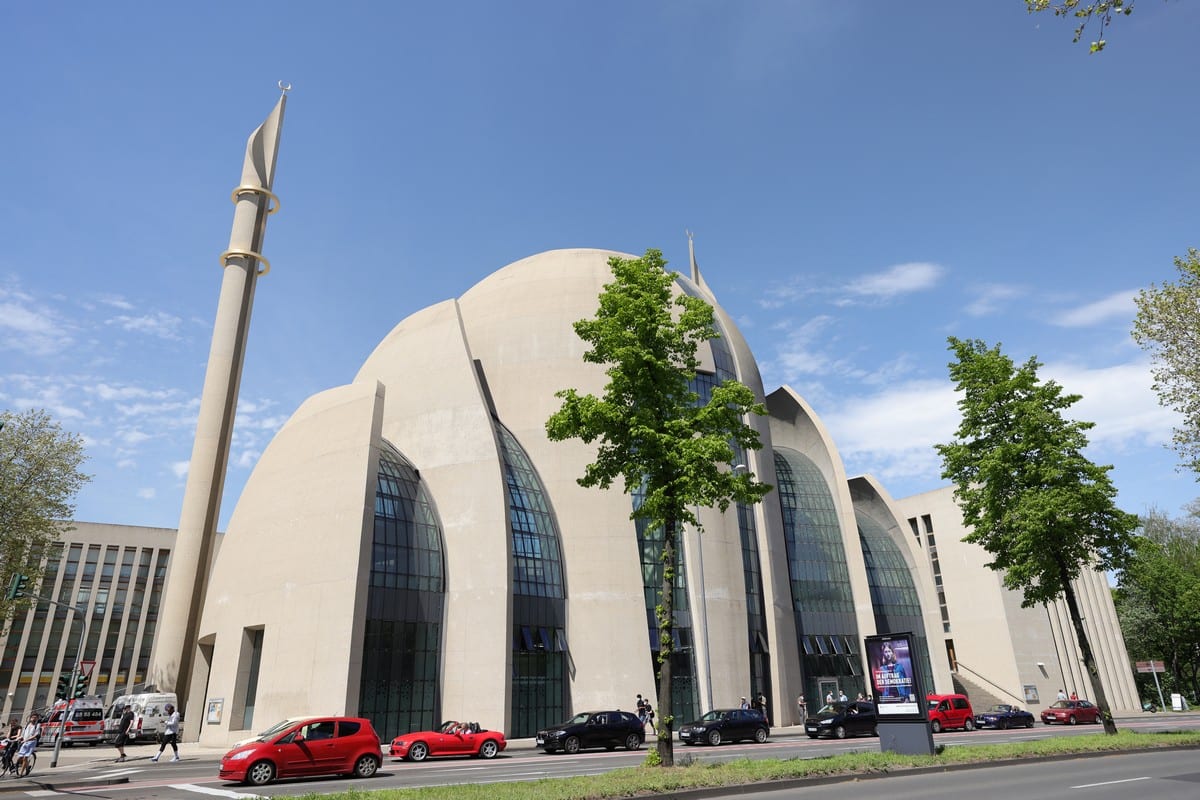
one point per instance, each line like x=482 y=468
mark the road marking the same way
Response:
x=41 y=793
x=191 y=787
x=1109 y=783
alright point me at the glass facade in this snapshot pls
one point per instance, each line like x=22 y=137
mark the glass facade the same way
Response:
x=893 y=595
x=539 y=671
x=405 y=602
x=822 y=601
x=758 y=646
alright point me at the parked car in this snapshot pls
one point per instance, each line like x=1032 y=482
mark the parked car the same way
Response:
x=840 y=720
x=84 y=724
x=1004 y=716
x=1071 y=712
x=607 y=729
x=450 y=739
x=948 y=711
x=726 y=725
x=312 y=746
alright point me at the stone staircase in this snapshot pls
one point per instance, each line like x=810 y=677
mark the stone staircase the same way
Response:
x=981 y=694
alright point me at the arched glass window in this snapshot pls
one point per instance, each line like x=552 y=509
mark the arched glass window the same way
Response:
x=822 y=600
x=539 y=676
x=405 y=602
x=894 y=596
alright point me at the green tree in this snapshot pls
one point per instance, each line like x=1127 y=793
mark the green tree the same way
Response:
x=1158 y=599
x=649 y=428
x=1168 y=327
x=39 y=478
x=1032 y=500
x=1102 y=11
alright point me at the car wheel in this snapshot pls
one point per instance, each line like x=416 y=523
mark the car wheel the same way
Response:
x=935 y=726
x=840 y=731
x=366 y=766
x=489 y=749
x=760 y=735
x=714 y=737
x=419 y=751
x=571 y=745
x=969 y=724
x=1072 y=721
x=260 y=773
x=633 y=742
x=1029 y=722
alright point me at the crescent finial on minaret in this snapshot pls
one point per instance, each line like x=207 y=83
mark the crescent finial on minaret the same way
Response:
x=285 y=87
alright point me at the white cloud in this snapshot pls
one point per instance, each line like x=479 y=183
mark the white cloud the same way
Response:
x=146 y=493
x=990 y=298
x=116 y=301
x=180 y=468
x=898 y=280
x=1117 y=306
x=30 y=328
x=247 y=459
x=162 y=325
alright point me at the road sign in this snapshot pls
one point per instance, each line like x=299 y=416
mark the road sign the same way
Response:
x=1151 y=666
x=86 y=667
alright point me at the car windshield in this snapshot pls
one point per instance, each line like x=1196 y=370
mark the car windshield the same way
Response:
x=1062 y=704
x=1000 y=708
x=277 y=728
x=449 y=726
x=579 y=719
x=934 y=703
x=832 y=708
x=712 y=716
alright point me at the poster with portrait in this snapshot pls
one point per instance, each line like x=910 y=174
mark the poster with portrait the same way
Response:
x=894 y=684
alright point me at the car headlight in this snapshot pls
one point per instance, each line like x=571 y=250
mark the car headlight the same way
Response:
x=399 y=743
x=239 y=756
x=825 y=722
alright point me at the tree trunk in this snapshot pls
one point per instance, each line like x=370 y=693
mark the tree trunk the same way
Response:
x=1089 y=660
x=666 y=644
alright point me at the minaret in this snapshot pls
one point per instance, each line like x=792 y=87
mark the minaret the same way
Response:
x=175 y=636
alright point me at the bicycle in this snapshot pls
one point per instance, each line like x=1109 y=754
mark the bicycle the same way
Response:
x=21 y=770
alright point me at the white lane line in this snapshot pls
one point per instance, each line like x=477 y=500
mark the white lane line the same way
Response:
x=1110 y=783
x=41 y=793
x=191 y=787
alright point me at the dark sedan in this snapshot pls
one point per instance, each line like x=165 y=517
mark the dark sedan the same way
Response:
x=840 y=720
x=726 y=725
x=1004 y=716
x=607 y=729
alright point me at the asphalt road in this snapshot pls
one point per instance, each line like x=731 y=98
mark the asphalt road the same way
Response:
x=93 y=771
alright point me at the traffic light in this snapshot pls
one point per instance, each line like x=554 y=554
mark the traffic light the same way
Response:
x=64 y=687
x=16 y=587
x=80 y=689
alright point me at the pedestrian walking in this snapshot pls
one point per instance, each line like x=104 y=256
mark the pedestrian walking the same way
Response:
x=170 y=734
x=123 y=728
x=802 y=707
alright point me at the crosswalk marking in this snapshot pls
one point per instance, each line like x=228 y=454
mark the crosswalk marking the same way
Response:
x=191 y=787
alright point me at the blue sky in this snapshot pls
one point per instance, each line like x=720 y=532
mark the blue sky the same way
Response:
x=863 y=180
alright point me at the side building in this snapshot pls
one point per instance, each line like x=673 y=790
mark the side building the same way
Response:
x=114 y=575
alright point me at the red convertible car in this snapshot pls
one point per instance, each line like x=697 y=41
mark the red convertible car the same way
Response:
x=451 y=739
x=1071 y=712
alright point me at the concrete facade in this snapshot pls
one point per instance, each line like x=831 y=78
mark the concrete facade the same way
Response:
x=489 y=616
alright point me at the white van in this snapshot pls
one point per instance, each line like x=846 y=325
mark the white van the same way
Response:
x=149 y=714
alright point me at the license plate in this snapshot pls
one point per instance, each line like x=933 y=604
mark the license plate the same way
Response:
x=811 y=729
x=540 y=740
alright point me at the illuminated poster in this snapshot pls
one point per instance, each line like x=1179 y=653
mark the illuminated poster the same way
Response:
x=890 y=659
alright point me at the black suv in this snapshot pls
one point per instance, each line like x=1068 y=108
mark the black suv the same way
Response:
x=841 y=720
x=607 y=729
x=726 y=725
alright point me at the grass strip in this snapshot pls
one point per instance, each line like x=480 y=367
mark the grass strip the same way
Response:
x=691 y=774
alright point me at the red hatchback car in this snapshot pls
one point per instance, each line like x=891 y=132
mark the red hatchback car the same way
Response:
x=450 y=739
x=1071 y=712
x=301 y=747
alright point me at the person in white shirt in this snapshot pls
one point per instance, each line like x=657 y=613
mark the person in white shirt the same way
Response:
x=29 y=741
x=170 y=734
